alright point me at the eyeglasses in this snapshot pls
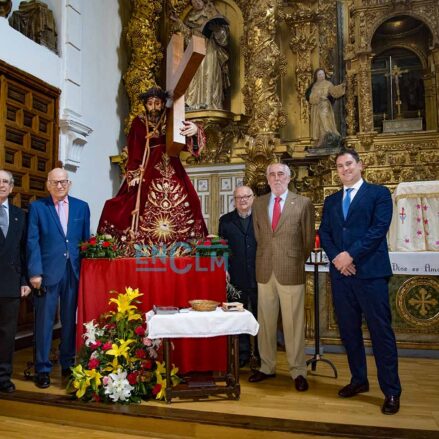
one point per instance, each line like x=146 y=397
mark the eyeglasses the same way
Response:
x=4 y=181
x=63 y=183
x=243 y=198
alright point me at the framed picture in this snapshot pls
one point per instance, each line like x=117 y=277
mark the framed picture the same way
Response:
x=226 y=184
x=203 y=185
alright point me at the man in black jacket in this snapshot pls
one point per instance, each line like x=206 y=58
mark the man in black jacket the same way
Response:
x=237 y=228
x=12 y=274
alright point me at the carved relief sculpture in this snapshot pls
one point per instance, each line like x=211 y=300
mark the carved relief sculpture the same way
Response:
x=5 y=7
x=208 y=87
x=35 y=20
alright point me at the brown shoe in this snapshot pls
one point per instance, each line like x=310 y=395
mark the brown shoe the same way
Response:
x=260 y=376
x=353 y=389
x=301 y=383
x=391 y=405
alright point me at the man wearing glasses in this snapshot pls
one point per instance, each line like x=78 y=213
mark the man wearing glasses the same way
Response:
x=13 y=276
x=57 y=224
x=237 y=228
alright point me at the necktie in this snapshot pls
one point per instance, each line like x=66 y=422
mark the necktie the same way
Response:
x=4 y=220
x=62 y=216
x=347 y=202
x=276 y=213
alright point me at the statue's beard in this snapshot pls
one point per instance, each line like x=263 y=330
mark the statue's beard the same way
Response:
x=154 y=116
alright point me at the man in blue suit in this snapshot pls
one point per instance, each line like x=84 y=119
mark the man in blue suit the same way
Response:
x=353 y=231
x=57 y=224
x=237 y=228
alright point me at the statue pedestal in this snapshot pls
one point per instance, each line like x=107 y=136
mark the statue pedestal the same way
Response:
x=402 y=125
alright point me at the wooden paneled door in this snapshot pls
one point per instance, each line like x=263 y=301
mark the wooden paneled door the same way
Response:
x=28 y=141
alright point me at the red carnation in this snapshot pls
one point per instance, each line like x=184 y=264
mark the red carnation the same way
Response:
x=140 y=331
x=92 y=240
x=132 y=378
x=106 y=244
x=156 y=389
x=140 y=353
x=107 y=346
x=84 y=247
x=93 y=363
x=96 y=345
x=147 y=364
x=206 y=243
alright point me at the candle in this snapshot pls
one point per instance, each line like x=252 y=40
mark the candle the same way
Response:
x=317 y=241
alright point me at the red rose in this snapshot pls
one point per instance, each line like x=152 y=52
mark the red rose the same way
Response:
x=207 y=243
x=114 y=248
x=140 y=331
x=92 y=240
x=223 y=242
x=93 y=363
x=84 y=247
x=140 y=353
x=107 y=346
x=132 y=378
x=106 y=244
x=147 y=364
x=156 y=389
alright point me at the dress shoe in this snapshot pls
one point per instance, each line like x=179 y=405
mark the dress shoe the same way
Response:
x=353 y=389
x=7 y=387
x=260 y=376
x=301 y=383
x=42 y=380
x=391 y=405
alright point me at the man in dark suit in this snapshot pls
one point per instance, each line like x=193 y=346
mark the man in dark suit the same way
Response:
x=237 y=228
x=57 y=224
x=284 y=230
x=353 y=232
x=12 y=274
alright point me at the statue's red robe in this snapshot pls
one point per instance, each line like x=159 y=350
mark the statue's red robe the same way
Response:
x=170 y=209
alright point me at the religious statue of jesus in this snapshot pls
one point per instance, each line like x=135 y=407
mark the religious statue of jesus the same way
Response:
x=157 y=202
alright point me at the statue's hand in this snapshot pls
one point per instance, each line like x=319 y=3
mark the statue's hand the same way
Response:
x=188 y=129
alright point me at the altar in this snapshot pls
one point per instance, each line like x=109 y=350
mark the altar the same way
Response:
x=163 y=282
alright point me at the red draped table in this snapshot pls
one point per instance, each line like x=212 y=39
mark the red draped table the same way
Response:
x=163 y=282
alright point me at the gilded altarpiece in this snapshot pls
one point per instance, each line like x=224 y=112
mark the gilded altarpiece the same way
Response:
x=275 y=46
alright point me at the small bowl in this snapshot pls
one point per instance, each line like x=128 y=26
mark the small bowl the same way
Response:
x=203 y=305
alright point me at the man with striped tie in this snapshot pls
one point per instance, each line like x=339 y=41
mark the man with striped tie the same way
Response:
x=57 y=224
x=353 y=230
x=284 y=230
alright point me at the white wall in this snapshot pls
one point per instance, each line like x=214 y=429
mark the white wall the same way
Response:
x=98 y=101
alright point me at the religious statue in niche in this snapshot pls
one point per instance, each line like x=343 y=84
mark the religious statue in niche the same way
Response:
x=35 y=20
x=208 y=87
x=321 y=94
x=5 y=7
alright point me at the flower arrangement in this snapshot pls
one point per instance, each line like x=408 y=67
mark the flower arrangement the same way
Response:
x=99 y=246
x=118 y=362
x=212 y=245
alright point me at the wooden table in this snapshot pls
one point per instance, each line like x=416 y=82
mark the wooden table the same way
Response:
x=201 y=325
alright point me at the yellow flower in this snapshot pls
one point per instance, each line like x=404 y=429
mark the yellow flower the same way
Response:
x=94 y=375
x=162 y=382
x=120 y=351
x=124 y=306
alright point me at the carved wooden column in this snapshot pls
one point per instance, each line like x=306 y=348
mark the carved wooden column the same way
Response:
x=263 y=68
x=146 y=56
x=364 y=79
x=435 y=58
x=351 y=122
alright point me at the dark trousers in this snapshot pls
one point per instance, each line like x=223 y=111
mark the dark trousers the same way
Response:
x=66 y=293
x=9 y=307
x=354 y=298
x=249 y=298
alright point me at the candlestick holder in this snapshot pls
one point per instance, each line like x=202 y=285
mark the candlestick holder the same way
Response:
x=317 y=261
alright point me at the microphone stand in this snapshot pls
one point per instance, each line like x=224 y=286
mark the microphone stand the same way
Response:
x=316 y=261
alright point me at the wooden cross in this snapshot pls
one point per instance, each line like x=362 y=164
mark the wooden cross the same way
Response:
x=181 y=66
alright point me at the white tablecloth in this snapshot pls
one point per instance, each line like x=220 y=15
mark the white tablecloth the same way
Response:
x=415 y=222
x=196 y=324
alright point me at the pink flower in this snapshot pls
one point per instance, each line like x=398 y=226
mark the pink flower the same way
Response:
x=426 y=221
x=147 y=341
x=425 y=207
x=418 y=206
x=419 y=232
x=406 y=240
x=105 y=380
x=93 y=363
x=418 y=219
x=107 y=346
x=140 y=331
